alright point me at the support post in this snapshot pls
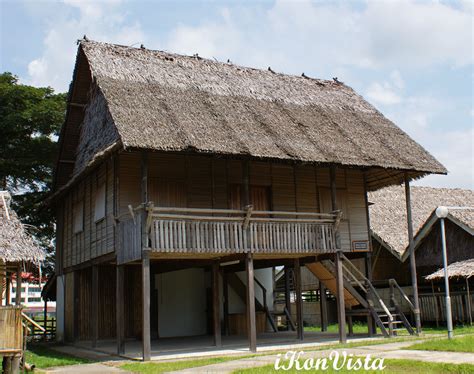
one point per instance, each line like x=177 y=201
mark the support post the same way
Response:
x=120 y=308
x=45 y=320
x=287 y=294
x=226 y=303
x=323 y=307
x=251 y=320
x=216 y=308
x=95 y=306
x=341 y=312
x=334 y=207
x=469 y=306
x=8 y=288
x=372 y=328
x=299 y=299
x=18 y=285
x=146 y=333
x=246 y=183
x=411 y=245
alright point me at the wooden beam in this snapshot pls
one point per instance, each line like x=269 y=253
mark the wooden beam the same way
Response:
x=146 y=333
x=299 y=299
x=216 y=308
x=323 y=307
x=287 y=294
x=411 y=245
x=18 y=285
x=95 y=306
x=120 y=308
x=8 y=288
x=341 y=312
x=226 y=303
x=251 y=320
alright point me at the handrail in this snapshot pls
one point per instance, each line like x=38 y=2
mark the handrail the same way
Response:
x=393 y=284
x=372 y=289
x=29 y=320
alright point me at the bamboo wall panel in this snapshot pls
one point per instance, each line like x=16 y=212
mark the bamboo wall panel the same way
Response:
x=133 y=302
x=356 y=209
x=107 y=307
x=283 y=188
x=69 y=306
x=260 y=173
x=199 y=185
x=11 y=332
x=307 y=199
x=220 y=198
x=234 y=172
x=84 y=298
x=129 y=181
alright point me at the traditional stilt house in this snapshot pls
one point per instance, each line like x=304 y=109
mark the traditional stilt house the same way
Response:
x=181 y=182
x=17 y=251
x=390 y=245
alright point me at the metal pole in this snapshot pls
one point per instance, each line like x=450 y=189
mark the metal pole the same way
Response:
x=449 y=318
x=411 y=245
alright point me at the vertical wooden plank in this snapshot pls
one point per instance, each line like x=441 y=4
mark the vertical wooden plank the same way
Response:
x=299 y=299
x=146 y=336
x=287 y=294
x=95 y=306
x=251 y=321
x=246 y=182
x=216 y=305
x=323 y=307
x=411 y=246
x=341 y=312
x=120 y=308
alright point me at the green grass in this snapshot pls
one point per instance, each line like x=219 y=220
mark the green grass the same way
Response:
x=391 y=366
x=163 y=367
x=458 y=344
x=43 y=357
x=358 y=327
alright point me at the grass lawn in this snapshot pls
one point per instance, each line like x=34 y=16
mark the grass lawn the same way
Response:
x=43 y=357
x=391 y=366
x=463 y=343
x=163 y=367
x=361 y=328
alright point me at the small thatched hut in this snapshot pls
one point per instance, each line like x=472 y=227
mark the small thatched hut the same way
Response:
x=390 y=241
x=17 y=247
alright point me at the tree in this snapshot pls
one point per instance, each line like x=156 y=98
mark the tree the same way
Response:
x=30 y=120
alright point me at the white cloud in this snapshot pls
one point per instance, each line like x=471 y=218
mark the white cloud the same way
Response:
x=383 y=94
x=99 y=20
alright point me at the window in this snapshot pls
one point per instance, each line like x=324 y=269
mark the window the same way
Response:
x=99 y=208
x=34 y=299
x=78 y=213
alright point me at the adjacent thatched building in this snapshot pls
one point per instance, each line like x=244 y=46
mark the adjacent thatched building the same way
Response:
x=17 y=247
x=390 y=241
x=246 y=169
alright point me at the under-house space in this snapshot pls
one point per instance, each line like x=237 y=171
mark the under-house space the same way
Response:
x=193 y=196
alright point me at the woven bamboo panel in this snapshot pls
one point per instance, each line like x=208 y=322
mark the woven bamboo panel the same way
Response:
x=11 y=337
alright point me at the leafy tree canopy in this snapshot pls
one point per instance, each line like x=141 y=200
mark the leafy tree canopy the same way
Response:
x=30 y=120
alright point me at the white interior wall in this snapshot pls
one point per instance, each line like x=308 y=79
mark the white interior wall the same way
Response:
x=182 y=303
x=60 y=308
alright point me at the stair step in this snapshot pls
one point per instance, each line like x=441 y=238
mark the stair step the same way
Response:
x=394 y=322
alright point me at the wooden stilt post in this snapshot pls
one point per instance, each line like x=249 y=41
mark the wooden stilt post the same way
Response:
x=120 y=308
x=411 y=245
x=146 y=331
x=469 y=306
x=226 y=303
x=323 y=307
x=18 y=285
x=95 y=306
x=45 y=320
x=341 y=311
x=287 y=295
x=216 y=308
x=8 y=289
x=299 y=300
x=251 y=321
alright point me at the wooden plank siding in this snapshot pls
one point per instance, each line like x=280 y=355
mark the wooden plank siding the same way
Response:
x=96 y=237
x=199 y=181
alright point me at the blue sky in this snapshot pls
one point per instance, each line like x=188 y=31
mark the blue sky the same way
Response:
x=412 y=59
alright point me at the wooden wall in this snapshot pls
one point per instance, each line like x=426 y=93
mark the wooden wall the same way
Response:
x=97 y=237
x=203 y=182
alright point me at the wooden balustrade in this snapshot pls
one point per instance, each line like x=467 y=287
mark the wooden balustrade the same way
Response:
x=239 y=231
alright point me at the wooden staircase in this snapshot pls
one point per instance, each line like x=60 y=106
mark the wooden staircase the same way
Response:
x=361 y=297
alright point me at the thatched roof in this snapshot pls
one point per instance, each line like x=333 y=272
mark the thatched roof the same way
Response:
x=168 y=102
x=15 y=243
x=461 y=269
x=388 y=218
